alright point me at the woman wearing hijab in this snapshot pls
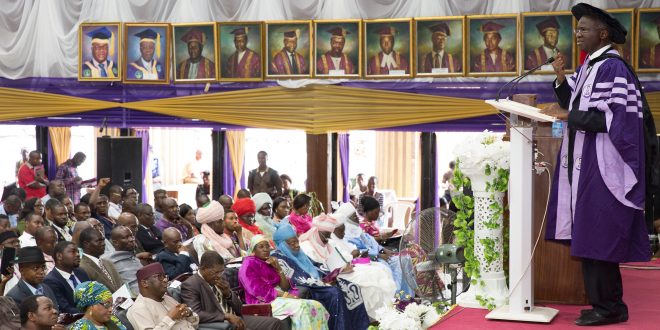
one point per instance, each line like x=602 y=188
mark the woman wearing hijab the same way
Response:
x=264 y=282
x=96 y=301
x=343 y=301
x=263 y=217
x=213 y=236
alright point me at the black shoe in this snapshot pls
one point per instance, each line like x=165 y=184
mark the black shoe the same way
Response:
x=586 y=311
x=594 y=318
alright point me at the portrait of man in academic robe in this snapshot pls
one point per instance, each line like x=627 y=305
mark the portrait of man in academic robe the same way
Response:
x=493 y=45
x=439 y=47
x=546 y=36
x=147 y=56
x=388 y=48
x=99 y=52
x=626 y=18
x=240 y=51
x=649 y=40
x=194 y=52
x=289 y=49
x=337 y=49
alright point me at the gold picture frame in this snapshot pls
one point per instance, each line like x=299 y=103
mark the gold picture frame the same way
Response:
x=277 y=63
x=535 y=36
x=627 y=18
x=647 y=41
x=90 y=67
x=350 y=55
x=399 y=28
x=452 y=63
x=137 y=69
x=252 y=67
x=477 y=30
x=207 y=62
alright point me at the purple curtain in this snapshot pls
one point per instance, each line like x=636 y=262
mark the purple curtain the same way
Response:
x=51 y=171
x=144 y=134
x=343 y=139
x=228 y=180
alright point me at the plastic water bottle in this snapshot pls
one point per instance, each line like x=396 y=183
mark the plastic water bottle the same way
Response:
x=557 y=129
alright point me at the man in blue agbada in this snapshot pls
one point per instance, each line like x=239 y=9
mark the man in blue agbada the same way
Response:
x=147 y=67
x=598 y=192
x=103 y=49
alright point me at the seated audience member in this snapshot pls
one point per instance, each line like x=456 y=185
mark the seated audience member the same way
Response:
x=130 y=195
x=109 y=248
x=57 y=218
x=260 y=275
x=10 y=315
x=300 y=270
x=153 y=309
x=82 y=212
x=77 y=230
x=114 y=201
x=287 y=191
x=130 y=221
x=281 y=209
x=56 y=190
x=171 y=219
x=263 y=217
x=174 y=257
x=39 y=313
x=33 y=222
x=101 y=214
x=32 y=205
x=201 y=198
x=209 y=295
x=160 y=196
x=70 y=216
x=187 y=214
x=32 y=266
x=369 y=224
x=148 y=234
x=65 y=276
x=374 y=278
x=371 y=192
x=93 y=245
x=46 y=240
x=95 y=300
x=243 y=193
x=4 y=223
x=9 y=239
x=213 y=237
x=299 y=218
x=366 y=243
x=226 y=201
x=245 y=210
x=12 y=209
x=124 y=259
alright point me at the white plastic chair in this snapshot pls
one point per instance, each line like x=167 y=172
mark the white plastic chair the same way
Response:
x=399 y=214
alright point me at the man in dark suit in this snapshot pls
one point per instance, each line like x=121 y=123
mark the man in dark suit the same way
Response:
x=65 y=276
x=209 y=295
x=148 y=234
x=56 y=216
x=175 y=257
x=32 y=265
x=92 y=243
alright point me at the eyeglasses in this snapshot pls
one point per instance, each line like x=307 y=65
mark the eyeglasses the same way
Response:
x=107 y=304
x=585 y=30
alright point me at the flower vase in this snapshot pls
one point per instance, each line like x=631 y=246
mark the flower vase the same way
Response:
x=492 y=274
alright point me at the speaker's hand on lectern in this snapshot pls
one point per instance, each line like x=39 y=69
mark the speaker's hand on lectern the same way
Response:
x=559 y=65
x=556 y=111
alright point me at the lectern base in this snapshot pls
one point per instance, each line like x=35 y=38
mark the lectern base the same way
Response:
x=537 y=314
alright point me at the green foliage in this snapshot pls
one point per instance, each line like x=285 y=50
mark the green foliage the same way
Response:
x=487 y=302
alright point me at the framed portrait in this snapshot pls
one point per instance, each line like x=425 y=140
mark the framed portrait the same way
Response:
x=439 y=46
x=388 y=48
x=492 y=47
x=147 y=53
x=99 y=52
x=289 y=49
x=626 y=17
x=338 y=48
x=545 y=35
x=194 y=47
x=240 y=51
x=648 y=40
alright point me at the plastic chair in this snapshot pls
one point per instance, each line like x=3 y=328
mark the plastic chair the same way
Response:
x=400 y=213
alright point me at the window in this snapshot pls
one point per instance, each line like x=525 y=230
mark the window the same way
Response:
x=13 y=138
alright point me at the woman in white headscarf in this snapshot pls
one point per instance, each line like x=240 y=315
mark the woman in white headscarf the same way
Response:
x=263 y=218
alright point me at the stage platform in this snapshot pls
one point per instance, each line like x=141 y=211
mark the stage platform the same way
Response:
x=641 y=285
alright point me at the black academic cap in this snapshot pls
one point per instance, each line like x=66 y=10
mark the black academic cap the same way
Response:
x=617 y=31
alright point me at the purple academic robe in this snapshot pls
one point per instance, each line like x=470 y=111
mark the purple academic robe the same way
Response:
x=600 y=209
x=282 y=65
x=537 y=57
x=651 y=58
x=448 y=61
x=484 y=63
x=324 y=64
x=249 y=67
x=374 y=67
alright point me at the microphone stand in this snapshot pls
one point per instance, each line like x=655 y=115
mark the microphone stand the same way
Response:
x=516 y=80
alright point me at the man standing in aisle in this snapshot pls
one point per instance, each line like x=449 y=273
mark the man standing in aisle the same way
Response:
x=68 y=173
x=32 y=176
x=598 y=192
x=264 y=178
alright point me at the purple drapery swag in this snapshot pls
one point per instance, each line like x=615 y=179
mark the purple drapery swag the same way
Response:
x=51 y=171
x=343 y=140
x=228 y=179
x=144 y=134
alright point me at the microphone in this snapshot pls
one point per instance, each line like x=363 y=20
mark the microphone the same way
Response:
x=104 y=125
x=515 y=80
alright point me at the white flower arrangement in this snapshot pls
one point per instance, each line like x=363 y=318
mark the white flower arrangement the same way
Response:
x=477 y=152
x=414 y=317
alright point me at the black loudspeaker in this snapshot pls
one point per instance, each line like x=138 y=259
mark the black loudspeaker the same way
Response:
x=120 y=159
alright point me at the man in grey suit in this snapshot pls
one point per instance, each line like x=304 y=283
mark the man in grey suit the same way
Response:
x=209 y=295
x=32 y=265
x=124 y=259
x=103 y=271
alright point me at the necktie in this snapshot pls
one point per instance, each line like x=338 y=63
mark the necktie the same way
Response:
x=294 y=64
x=224 y=306
x=39 y=291
x=102 y=67
x=105 y=271
x=73 y=280
x=436 y=62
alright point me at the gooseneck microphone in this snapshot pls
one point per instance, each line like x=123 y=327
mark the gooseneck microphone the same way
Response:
x=516 y=80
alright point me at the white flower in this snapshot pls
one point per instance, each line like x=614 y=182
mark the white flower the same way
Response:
x=478 y=151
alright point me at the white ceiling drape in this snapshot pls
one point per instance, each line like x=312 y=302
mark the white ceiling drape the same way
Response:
x=38 y=38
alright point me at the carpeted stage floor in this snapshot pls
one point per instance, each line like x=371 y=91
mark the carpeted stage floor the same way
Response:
x=641 y=293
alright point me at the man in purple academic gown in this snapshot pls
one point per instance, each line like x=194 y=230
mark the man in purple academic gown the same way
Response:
x=493 y=58
x=244 y=62
x=335 y=58
x=438 y=58
x=388 y=58
x=598 y=192
x=288 y=61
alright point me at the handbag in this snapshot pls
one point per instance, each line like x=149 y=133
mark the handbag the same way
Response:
x=257 y=310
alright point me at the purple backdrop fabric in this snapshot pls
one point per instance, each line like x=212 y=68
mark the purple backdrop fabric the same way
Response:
x=144 y=134
x=52 y=162
x=344 y=150
x=228 y=179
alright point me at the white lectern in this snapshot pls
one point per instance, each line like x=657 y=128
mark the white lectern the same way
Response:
x=521 y=295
